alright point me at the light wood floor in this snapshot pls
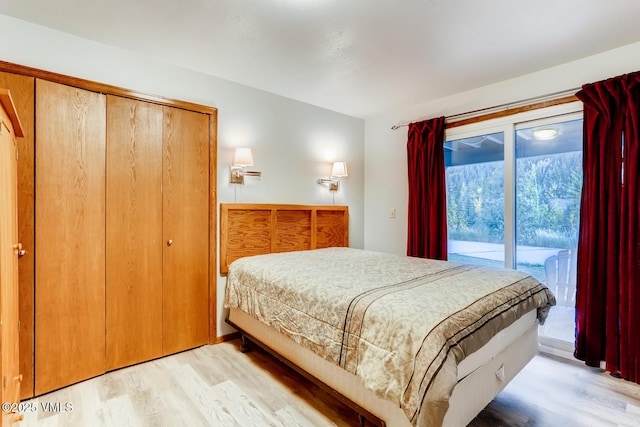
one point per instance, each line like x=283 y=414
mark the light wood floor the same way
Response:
x=220 y=386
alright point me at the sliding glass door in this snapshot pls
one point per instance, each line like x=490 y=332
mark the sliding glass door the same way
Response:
x=513 y=197
x=548 y=188
x=475 y=199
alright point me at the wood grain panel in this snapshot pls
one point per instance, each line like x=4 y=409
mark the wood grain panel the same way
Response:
x=134 y=232
x=213 y=227
x=9 y=310
x=186 y=225
x=212 y=114
x=248 y=229
x=293 y=230
x=247 y=233
x=22 y=90
x=332 y=229
x=70 y=219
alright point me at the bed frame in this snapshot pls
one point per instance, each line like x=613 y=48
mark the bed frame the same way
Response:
x=504 y=357
x=252 y=229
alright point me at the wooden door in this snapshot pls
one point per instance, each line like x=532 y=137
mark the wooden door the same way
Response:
x=185 y=229
x=9 y=248
x=70 y=224
x=134 y=232
x=22 y=92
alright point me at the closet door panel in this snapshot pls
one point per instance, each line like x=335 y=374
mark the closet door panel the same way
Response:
x=70 y=224
x=9 y=342
x=186 y=229
x=22 y=90
x=134 y=232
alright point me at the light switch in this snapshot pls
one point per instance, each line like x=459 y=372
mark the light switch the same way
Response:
x=392 y=213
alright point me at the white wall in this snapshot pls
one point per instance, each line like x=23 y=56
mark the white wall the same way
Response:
x=385 y=149
x=293 y=143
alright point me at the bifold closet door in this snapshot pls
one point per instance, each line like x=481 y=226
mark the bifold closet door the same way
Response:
x=22 y=92
x=70 y=235
x=186 y=229
x=134 y=232
x=9 y=342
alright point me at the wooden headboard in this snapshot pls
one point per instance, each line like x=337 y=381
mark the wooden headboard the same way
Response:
x=255 y=229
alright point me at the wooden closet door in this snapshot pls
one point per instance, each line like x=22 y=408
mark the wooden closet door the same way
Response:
x=22 y=90
x=134 y=232
x=9 y=358
x=186 y=229
x=70 y=224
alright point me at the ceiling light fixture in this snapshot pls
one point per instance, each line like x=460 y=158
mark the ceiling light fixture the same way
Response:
x=545 y=134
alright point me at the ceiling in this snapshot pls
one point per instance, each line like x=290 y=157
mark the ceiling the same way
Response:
x=358 y=57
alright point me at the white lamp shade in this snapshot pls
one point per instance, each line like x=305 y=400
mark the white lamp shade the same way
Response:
x=243 y=157
x=339 y=169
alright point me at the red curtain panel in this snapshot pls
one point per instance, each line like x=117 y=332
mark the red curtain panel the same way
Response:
x=608 y=276
x=427 y=224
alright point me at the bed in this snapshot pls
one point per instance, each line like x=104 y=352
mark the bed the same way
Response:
x=406 y=341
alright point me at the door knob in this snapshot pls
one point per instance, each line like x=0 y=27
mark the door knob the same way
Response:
x=18 y=248
x=169 y=242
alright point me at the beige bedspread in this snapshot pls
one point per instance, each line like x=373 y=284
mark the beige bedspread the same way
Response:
x=401 y=324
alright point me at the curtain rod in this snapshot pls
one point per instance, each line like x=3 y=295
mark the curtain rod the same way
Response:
x=501 y=107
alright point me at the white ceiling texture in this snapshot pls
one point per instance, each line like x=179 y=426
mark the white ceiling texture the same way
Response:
x=358 y=57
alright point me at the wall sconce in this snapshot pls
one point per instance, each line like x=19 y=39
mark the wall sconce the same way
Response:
x=241 y=159
x=339 y=170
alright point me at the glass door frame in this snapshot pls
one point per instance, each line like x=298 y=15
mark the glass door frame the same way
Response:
x=508 y=125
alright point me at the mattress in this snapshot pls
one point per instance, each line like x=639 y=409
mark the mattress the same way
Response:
x=402 y=326
x=480 y=379
x=498 y=343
